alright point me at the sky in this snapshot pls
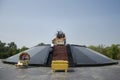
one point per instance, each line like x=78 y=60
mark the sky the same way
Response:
x=84 y=22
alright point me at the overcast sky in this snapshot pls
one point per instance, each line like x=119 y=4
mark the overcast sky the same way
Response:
x=85 y=22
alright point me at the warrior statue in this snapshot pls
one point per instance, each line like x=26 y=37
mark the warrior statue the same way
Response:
x=60 y=39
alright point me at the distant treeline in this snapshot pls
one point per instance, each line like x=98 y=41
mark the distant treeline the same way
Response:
x=112 y=51
x=9 y=49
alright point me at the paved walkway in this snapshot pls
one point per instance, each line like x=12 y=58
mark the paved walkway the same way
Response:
x=10 y=72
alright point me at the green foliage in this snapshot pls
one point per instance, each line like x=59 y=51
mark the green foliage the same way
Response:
x=40 y=44
x=115 y=50
x=112 y=51
x=12 y=45
x=2 y=44
x=23 y=48
x=7 y=50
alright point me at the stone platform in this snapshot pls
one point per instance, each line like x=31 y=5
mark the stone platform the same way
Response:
x=10 y=72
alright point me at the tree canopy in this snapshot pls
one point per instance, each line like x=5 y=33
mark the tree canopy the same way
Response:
x=7 y=50
x=112 y=51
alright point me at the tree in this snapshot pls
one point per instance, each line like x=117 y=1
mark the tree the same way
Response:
x=12 y=45
x=108 y=52
x=112 y=51
x=40 y=44
x=2 y=44
x=115 y=50
x=23 y=48
x=9 y=49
